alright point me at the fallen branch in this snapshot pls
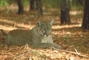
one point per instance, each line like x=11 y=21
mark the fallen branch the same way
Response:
x=75 y=53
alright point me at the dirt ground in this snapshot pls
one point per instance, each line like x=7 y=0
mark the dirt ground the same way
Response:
x=73 y=40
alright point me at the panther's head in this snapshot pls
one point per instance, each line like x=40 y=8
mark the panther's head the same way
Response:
x=45 y=27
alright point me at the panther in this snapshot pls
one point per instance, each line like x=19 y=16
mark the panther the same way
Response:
x=37 y=37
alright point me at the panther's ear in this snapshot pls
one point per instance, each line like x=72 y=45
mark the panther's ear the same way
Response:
x=51 y=22
x=38 y=23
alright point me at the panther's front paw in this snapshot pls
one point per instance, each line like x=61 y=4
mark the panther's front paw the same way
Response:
x=57 y=46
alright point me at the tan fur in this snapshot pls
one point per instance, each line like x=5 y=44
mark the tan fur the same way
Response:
x=38 y=37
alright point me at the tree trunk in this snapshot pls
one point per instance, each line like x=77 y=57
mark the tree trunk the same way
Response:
x=20 y=7
x=81 y=2
x=33 y=5
x=85 y=23
x=39 y=7
x=65 y=16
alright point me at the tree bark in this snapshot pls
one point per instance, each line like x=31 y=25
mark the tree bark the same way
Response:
x=39 y=7
x=85 y=23
x=20 y=7
x=81 y=2
x=65 y=16
x=33 y=5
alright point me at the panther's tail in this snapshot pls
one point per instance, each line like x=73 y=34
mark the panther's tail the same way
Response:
x=3 y=32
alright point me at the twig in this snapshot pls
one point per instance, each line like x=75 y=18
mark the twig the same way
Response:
x=80 y=54
x=75 y=53
x=18 y=56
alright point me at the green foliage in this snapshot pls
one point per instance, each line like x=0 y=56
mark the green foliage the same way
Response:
x=26 y=2
x=46 y=3
x=3 y=3
x=51 y=3
x=75 y=4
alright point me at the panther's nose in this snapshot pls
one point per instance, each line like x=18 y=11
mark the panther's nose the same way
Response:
x=47 y=35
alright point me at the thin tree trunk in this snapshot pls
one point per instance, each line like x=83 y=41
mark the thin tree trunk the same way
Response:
x=39 y=7
x=20 y=7
x=33 y=5
x=85 y=23
x=65 y=16
x=81 y=2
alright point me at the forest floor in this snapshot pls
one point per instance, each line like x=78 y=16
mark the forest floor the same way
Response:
x=73 y=40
